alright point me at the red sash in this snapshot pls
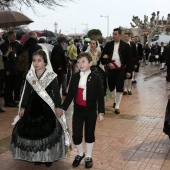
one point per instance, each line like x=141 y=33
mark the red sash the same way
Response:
x=79 y=97
x=117 y=67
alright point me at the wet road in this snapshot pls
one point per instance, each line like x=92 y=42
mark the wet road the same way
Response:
x=132 y=140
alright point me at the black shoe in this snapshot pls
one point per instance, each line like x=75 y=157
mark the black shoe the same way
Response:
x=48 y=164
x=114 y=105
x=117 y=111
x=167 y=79
x=129 y=93
x=125 y=93
x=16 y=98
x=88 y=162
x=64 y=94
x=9 y=105
x=134 y=81
x=1 y=110
x=77 y=160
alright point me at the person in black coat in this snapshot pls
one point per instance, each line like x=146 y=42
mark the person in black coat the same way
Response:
x=146 y=51
x=162 y=50
x=86 y=91
x=133 y=53
x=59 y=60
x=139 y=50
x=167 y=59
x=10 y=50
x=31 y=45
x=116 y=55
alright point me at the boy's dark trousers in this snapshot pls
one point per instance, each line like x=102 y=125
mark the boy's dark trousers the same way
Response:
x=84 y=115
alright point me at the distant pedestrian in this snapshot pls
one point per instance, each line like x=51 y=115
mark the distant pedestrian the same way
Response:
x=162 y=56
x=72 y=54
x=139 y=50
x=10 y=50
x=59 y=60
x=116 y=56
x=133 y=53
x=31 y=45
x=167 y=59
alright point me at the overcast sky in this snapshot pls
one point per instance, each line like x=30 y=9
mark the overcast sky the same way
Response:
x=73 y=15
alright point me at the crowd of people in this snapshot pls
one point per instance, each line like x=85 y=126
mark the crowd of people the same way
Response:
x=83 y=74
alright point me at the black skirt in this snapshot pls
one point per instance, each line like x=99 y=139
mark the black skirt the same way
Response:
x=38 y=125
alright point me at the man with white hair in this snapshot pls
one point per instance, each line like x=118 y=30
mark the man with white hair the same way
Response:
x=31 y=45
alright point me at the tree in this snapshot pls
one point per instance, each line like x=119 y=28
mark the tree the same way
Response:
x=155 y=24
x=18 y=4
x=95 y=33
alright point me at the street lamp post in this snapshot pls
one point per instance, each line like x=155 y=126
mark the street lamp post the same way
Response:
x=55 y=27
x=107 y=23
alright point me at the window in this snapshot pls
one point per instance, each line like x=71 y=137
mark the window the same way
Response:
x=155 y=38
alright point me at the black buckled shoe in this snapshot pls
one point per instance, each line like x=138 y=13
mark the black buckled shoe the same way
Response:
x=48 y=164
x=77 y=160
x=117 y=111
x=88 y=162
x=1 y=110
x=125 y=93
x=134 y=81
x=129 y=93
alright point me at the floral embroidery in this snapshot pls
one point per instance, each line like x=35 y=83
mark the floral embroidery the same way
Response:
x=34 y=82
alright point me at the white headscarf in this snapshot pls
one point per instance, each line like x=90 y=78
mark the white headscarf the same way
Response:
x=49 y=71
x=48 y=66
x=96 y=54
x=97 y=48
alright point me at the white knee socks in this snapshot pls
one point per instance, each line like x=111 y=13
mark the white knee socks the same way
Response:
x=89 y=147
x=79 y=149
x=135 y=75
x=163 y=65
x=118 y=99
x=129 y=84
x=125 y=84
x=114 y=95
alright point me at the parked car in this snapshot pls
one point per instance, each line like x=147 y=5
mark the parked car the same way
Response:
x=160 y=38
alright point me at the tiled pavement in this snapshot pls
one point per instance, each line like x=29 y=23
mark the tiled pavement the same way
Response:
x=132 y=140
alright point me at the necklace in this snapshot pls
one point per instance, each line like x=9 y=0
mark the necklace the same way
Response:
x=39 y=74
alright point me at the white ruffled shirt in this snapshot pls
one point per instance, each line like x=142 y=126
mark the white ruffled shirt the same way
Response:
x=83 y=82
x=116 y=54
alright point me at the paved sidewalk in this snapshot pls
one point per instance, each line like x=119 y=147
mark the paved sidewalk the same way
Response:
x=132 y=140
